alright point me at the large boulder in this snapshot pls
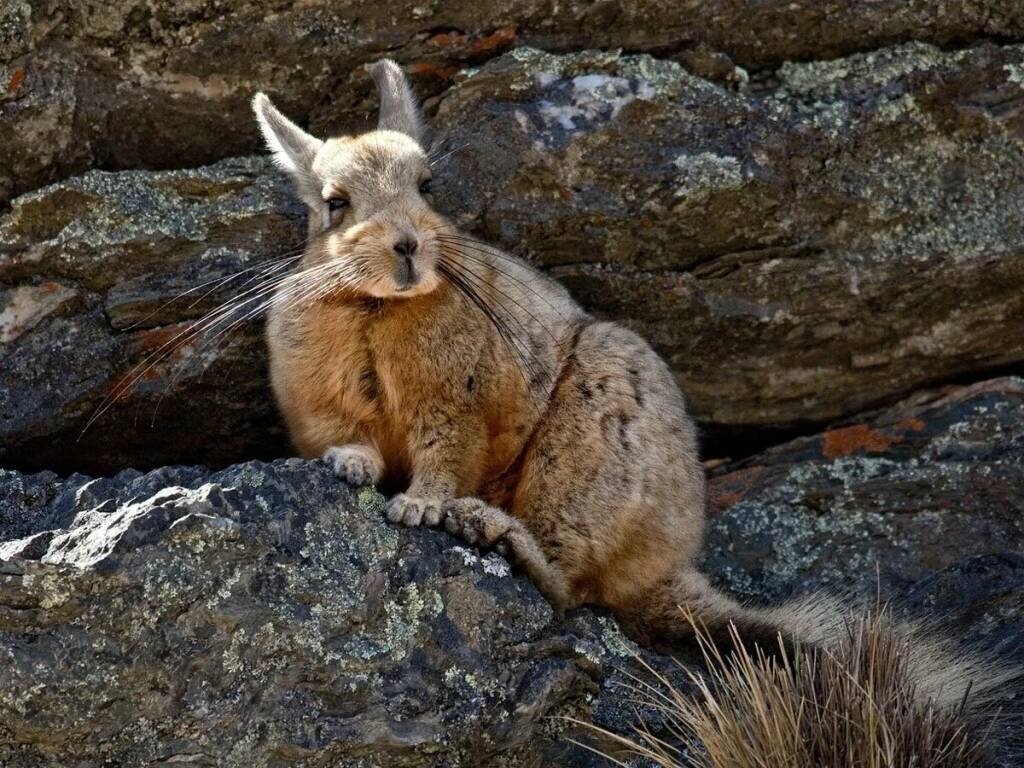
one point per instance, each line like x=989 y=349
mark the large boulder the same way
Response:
x=163 y=83
x=89 y=273
x=825 y=242
x=267 y=615
x=880 y=505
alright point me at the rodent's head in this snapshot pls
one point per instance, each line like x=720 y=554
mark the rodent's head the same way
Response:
x=368 y=195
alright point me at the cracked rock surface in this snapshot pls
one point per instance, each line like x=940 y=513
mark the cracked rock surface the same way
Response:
x=163 y=84
x=267 y=615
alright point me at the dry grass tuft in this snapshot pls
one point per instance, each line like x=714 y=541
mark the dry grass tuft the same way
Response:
x=855 y=705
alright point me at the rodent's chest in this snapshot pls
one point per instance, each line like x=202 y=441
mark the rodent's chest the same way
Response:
x=374 y=368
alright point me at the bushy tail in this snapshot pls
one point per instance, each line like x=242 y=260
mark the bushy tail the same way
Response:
x=815 y=682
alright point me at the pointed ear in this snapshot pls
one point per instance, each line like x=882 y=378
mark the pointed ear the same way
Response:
x=398 y=108
x=293 y=148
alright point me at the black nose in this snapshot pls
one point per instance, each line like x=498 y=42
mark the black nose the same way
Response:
x=406 y=247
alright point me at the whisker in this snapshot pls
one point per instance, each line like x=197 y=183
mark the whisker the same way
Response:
x=217 y=282
x=476 y=259
x=519 y=348
x=445 y=232
x=482 y=281
x=207 y=323
x=438 y=160
x=211 y=343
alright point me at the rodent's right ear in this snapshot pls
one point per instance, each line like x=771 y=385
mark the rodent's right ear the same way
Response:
x=293 y=148
x=398 y=108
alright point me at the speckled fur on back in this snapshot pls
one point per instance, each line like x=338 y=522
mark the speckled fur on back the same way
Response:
x=410 y=354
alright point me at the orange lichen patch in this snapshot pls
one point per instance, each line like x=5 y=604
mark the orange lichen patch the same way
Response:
x=16 y=81
x=442 y=39
x=728 y=489
x=167 y=338
x=915 y=425
x=848 y=440
x=504 y=36
x=427 y=69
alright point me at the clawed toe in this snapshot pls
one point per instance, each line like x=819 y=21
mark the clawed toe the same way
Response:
x=411 y=511
x=352 y=465
x=477 y=523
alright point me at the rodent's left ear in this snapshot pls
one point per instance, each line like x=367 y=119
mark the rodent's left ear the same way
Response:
x=398 y=108
x=293 y=148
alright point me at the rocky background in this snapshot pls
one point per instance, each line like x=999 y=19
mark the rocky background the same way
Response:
x=812 y=209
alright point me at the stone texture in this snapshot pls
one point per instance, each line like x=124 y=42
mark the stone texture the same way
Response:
x=884 y=502
x=798 y=251
x=87 y=269
x=163 y=83
x=266 y=615
x=797 y=254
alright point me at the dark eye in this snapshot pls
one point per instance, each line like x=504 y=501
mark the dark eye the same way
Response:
x=336 y=204
x=425 y=187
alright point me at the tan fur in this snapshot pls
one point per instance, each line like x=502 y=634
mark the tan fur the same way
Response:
x=564 y=442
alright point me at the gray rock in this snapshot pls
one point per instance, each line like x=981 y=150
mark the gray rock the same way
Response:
x=94 y=266
x=164 y=84
x=266 y=614
x=798 y=253
x=881 y=504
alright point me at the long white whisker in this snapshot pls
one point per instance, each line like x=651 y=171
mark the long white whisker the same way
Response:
x=217 y=282
x=207 y=322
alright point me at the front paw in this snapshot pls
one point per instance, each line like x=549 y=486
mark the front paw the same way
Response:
x=353 y=464
x=412 y=511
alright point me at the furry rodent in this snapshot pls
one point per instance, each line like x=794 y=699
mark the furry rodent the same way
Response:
x=410 y=353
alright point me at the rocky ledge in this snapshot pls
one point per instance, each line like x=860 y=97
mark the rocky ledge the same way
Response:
x=266 y=615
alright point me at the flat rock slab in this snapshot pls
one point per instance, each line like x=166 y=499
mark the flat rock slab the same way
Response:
x=163 y=84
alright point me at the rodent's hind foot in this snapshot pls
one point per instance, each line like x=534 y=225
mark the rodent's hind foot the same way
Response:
x=477 y=523
x=480 y=524
x=412 y=511
x=357 y=465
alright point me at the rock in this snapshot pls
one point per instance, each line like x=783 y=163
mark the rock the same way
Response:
x=883 y=504
x=266 y=613
x=92 y=268
x=797 y=254
x=164 y=84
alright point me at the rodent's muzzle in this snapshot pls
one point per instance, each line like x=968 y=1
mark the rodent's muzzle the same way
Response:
x=405 y=273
